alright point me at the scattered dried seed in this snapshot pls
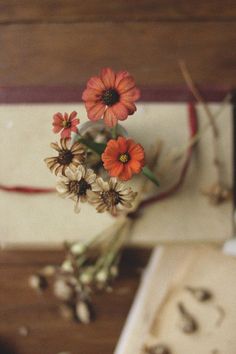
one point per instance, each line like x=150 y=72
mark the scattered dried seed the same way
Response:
x=200 y=294
x=83 y=312
x=23 y=331
x=37 y=282
x=187 y=323
x=157 y=349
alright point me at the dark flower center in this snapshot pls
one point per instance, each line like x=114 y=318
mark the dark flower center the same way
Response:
x=79 y=187
x=66 y=124
x=124 y=158
x=110 y=97
x=110 y=198
x=65 y=157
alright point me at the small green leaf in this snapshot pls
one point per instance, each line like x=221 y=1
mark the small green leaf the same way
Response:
x=150 y=175
x=97 y=147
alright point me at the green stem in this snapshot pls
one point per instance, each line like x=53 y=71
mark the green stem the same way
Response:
x=114 y=132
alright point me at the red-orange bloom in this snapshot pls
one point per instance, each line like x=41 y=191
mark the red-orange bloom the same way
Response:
x=110 y=96
x=123 y=157
x=65 y=124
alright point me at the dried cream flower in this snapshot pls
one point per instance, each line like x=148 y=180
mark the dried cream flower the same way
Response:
x=67 y=156
x=76 y=183
x=111 y=196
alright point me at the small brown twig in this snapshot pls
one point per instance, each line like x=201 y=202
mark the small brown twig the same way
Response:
x=193 y=88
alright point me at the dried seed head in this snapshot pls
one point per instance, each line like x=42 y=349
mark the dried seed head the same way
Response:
x=86 y=277
x=78 y=248
x=157 y=349
x=67 y=266
x=37 y=282
x=62 y=290
x=187 y=323
x=102 y=276
x=83 y=312
x=200 y=294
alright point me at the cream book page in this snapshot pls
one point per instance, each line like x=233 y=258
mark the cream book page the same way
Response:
x=172 y=270
x=25 y=132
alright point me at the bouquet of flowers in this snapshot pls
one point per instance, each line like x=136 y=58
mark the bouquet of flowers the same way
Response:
x=93 y=164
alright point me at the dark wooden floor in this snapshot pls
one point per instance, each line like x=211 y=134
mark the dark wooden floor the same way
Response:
x=62 y=43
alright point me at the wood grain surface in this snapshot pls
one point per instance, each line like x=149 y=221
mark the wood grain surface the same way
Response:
x=68 y=54
x=28 y=11
x=48 y=332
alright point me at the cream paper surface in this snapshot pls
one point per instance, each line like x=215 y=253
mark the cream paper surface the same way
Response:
x=172 y=269
x=25 y=133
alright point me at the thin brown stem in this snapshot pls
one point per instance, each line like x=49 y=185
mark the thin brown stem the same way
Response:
x=193 y=88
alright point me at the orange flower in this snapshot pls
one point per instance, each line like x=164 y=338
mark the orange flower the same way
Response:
x=110 y=96
x=123 y=157
x=65 y=124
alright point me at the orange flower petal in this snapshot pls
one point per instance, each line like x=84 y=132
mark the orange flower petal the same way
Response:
x=96 y=83
x=66 y=133
x=90 y=95
x=126 y=173
x=96 y=112
x=122 y=142
x=131 y=95
x=74 y=122
x=126 y=84
x=109 y=118
x=58 y=118
x=72 y=115
x=56 y=128
x=129 y=105
x=121 y=75
x=116 y=170
x=136 y=152
x=108 y=77
x=135 y=166
x=120 y=111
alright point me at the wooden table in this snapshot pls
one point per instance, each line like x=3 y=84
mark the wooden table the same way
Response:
x=48 y=332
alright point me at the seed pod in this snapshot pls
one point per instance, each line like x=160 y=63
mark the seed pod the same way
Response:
x=102 y=277
x=158 y=349
x=86 y=277
x=37 y=282
x=67 y=266
x=62 y=290
x=187 y=323
x=83 y=312
x=78 y=248
x=200 y=294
